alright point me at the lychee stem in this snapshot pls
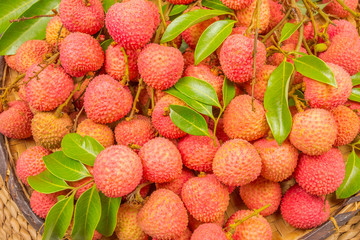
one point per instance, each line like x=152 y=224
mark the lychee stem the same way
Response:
x=33 y=17
x=216 y=121
x=312 y=21
x=136 y=100
x=77 y=188
x=58 y=112
x=346 y=8
x=283 y=20
x=162 y=15
x=58 y=37
x=135 y=196
x=77 y=119
x=125 y=78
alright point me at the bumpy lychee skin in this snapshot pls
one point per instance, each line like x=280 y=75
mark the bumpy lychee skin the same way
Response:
x=115 y=62
x=81 y=53
x=241 y=121
x=237 y=4
x=256 y=227
x=205 y=198
x=336 y=9
x=236 y=57
x=161 y=160
x=344 y=51
x=198 y=152
x=278 y=162
x=48 y=130
x=52 y=32
x=277 y=58
x=78 y=97
x=348 y=125
x=161 y=119
x=313 y=131
x=41 y=203
x=180 y=2
x=163 y=215
x=127 y=227
x=261 y=80
x=303 y=210
x=321 y=95
x=11 y=61
x=340 y=27
x=237 y=163
x=321 y=175
x=30 y=163
x=209 y=231
x=177 y=184
x=276 y=14
x=117 y=171
x=194 y=224
x=107 y=100
x=160 y=66
x=50 y=88
x=138 y=130
x=102 y=133
x=260 y=193
x=244 y=16
x=15 y=122
x=79 y=16
x=131 y=24
x=31 y=52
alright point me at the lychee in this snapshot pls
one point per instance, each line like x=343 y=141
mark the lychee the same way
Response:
x=160 y=66
x=313 y=131
x=348 y=125
x=41 y=203
x=334 y=8
x=186 y=235
x=78 y=97
x=107 y=100
x=276 y=13
x=163 y=215
x=177 y=184
x=11 y=61
x=237 y=4
x=237 y=163
x=261 y=81
x=244 y=15
x=117 y=171
x=194 y=223
x=102 y=133
x=303 y=210
x=161 y=160
x=53 y=35
x=340 y=26
x=209 y=231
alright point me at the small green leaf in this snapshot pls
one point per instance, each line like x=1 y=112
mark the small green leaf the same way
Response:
x=177 y=9
x=46 y=182
x=198 y=89
x=288 y=30
x=105 y=44
x=19 y=32
x=315 y=68
x=188 y=120
x=216 y=4
x=276 y=102
x=228 y=91
x=64 y=167
x=355 y=79
x=212 y=38
x=84 y=149
x=109 y=209
x=87 y=215
x=187 y=20
x=58 y=219
x=355 y=95
x=107 y=4
x=351 y=183
x=198 y=106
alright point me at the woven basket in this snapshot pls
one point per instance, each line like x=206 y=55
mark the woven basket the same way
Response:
x=19 y=222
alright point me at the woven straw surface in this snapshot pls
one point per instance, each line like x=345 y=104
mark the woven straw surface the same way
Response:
x=346 y=213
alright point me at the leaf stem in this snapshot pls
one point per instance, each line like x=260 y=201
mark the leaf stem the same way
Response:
x=77 y=188
x=125 y=79
x=28 y=18
x=216 y=121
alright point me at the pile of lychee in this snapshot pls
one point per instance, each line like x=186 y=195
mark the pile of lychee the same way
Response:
x=193 y=176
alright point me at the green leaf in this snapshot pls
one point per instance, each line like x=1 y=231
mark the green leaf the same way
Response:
x=301 y=98
x=105 y=44
x=351 y=183
x=288 y=30
x=64 y=167
x=85 y=149
x=276 y=102
x=198 y=89
x=187 y=20
x=19 y=32
x=355 y=79
x=108 y=220
x=212 y=38
x=188 y=120
x=10 y=9
x=87 y=215
x=58 y=219
x=355 y=95
x=216 y=4
x=177 y=9
x=198 y=106
x=228 y=91
x=315 y=68
x=107 y=4
x=46 y=182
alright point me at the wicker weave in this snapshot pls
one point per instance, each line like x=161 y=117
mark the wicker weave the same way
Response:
x=15 y=226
